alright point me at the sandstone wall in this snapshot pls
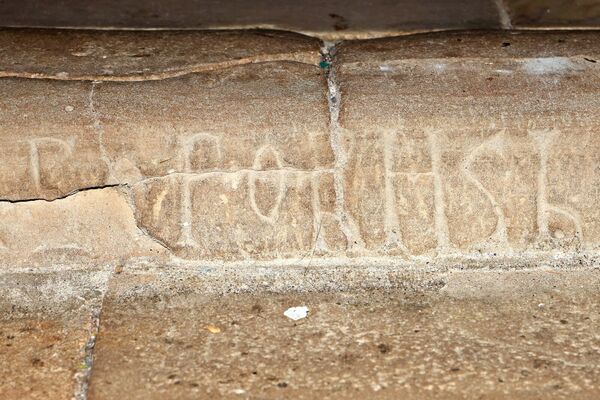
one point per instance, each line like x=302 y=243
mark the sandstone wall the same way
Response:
x=252 y=146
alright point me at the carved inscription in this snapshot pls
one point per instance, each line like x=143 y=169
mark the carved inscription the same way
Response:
x=431 y=155
x=50 y=167
x=266 y=211
x=57 y=151
x=442 y=194
x=234 y=163
x=411 y=192
x=456 y=148
x=40 y=164
x=48 y=145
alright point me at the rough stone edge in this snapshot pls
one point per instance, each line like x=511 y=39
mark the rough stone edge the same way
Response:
x=333 y=274
x=219 y=281
x=176 y=73
x=308 y=56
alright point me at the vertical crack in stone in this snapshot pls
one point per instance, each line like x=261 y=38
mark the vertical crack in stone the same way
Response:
x=82 y=378
x=503 y=14
x=349 y=228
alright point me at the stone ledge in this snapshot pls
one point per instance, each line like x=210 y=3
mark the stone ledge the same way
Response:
x=465 y=144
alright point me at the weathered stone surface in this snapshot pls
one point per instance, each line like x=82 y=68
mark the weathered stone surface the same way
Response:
x=46 y=321
x=221 y=137
x=469 y=142
x=91 y=227
x=447 y=144
x=51 y=134
x=48 y=144
x=237 y=159
x=332 y=19
x=554 y=13
x=142 y=55
x=509 y=334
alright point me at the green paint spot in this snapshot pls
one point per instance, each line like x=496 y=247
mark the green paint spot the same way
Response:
x=324 y=64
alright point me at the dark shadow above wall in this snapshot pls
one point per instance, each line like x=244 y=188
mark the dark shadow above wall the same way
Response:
x=335 y=19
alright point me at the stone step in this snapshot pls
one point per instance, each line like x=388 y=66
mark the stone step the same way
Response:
x=248 y=147
x=153 y=331
x=460 y=335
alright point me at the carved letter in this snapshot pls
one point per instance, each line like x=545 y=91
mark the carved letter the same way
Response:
x=493 y=144
x=266 y=155
x=543 y=140
x=212 y=147
x=34 y=157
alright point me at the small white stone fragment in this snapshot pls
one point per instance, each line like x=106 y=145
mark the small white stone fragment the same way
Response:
x=296 y=313
x=69 y=108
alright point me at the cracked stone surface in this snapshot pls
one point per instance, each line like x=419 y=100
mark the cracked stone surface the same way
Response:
x=461 y=334
x=85 y=140
x=331 y=20
x=264 y=153
x=46 y=319
x=57 y=233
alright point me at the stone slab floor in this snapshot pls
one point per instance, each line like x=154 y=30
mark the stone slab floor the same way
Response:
x=476 y=334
